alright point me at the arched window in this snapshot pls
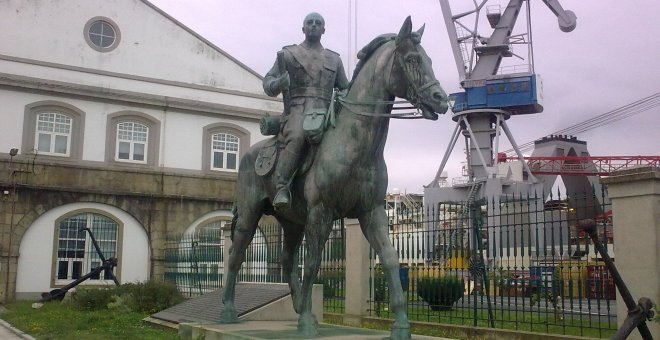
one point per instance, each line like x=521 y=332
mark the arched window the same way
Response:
x=132 y=137
x=76 y=254
x=53 y=128
x=53 y=135
x=199 y=258
x=224 y=151
x=132 y=140
x=224 y=144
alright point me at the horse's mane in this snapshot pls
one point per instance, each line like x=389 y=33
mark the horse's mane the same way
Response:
x=369 y=49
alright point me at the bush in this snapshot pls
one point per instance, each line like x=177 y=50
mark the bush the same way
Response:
x=92 y=299
x=149 y=297
x=333 y=281
x=440 y=293
x=381 y=289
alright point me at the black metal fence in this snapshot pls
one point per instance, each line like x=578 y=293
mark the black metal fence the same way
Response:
x=519 y=263
x=194 y=262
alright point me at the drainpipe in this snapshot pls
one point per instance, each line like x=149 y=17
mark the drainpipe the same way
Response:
x=12 y=174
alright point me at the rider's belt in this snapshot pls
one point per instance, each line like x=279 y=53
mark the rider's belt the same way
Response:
x=316 y=92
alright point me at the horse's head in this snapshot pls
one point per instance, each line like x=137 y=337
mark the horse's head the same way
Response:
x=412 y=76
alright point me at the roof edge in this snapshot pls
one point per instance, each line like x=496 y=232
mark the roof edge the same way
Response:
x=198 y=36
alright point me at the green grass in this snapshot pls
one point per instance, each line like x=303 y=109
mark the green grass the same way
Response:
x=503 y=319
x=61 y=321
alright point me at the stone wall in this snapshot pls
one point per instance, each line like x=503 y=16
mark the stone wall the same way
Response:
x=164 y=202
x=635 y=195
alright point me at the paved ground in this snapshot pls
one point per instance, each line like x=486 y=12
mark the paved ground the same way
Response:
x=262 y=330
x=7 y=332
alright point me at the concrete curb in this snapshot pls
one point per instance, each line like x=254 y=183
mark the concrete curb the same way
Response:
x=19 y=334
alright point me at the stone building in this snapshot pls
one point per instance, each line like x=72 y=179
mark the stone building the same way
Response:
x=117 y=118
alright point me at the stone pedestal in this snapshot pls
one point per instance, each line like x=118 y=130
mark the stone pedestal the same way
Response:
x=357 y=274
x=226 y=232
x=635 y=196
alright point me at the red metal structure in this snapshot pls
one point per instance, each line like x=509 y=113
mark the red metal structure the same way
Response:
x=583 y=165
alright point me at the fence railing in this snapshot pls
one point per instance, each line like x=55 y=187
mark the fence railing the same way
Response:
x=194 y=261
x=519 y=263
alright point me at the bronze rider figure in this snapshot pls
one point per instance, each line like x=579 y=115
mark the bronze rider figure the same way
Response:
x=309 y=72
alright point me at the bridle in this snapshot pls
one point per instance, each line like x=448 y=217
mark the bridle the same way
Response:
x=411 y=71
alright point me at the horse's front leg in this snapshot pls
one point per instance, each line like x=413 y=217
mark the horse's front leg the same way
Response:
x=317 y=232
x=375 y=228
x=243 y=235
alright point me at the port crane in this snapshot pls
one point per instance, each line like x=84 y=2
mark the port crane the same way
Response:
x=493 y=91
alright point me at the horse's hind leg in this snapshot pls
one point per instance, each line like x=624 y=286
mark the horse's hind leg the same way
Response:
x=243 y=232
x=293 y=235
x=374 y=227
x=317 y=231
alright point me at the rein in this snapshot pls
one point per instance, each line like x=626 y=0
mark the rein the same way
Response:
x=407 y=115
x=412 y=75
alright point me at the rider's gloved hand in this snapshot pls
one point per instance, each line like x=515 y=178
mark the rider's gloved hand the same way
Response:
x=283 y=81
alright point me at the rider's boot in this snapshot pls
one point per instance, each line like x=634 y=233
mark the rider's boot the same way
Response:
x=286 y=165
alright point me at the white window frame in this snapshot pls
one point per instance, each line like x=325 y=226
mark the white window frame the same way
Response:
x=55 y=132
x=107 y=33
x=90 y=258
x=132 y=142
x=109 y=30
x=223 y=146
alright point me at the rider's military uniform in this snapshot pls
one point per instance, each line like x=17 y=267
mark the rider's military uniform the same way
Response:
x=313 y=74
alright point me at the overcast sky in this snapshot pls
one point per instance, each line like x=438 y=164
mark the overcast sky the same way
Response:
x=611 y=59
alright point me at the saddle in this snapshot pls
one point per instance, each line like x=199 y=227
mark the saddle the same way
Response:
x=267 y=158
x=315 y=123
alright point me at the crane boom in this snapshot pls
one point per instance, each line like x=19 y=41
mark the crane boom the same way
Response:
x=491 y=96
x=497 y=46
x=455 y=46
x=478 y=59
x=567 y=19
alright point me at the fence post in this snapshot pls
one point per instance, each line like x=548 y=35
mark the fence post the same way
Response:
x=357 y=274
x=635 y=196
x=226 y=232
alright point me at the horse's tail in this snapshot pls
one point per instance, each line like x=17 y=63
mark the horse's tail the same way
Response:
x=234 y=219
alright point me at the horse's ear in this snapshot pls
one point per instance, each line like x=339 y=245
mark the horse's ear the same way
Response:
x=405 y=31
x=416 y=37
x=420 y=31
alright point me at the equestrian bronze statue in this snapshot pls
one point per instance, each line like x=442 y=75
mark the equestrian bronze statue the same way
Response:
x=342 y=175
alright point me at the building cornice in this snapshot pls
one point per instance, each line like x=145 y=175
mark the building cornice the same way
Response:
x=93 y=178
x=130 y=97
x=135 y=77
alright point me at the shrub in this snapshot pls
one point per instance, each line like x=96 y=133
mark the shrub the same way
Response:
x=440 y=293
x=92 y=299
x=332 y=281
x=381 y=289
x=149 y=297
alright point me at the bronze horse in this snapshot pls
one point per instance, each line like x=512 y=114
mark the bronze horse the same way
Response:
x=347 y=178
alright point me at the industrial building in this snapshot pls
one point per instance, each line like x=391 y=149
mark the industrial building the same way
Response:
x=119 y=119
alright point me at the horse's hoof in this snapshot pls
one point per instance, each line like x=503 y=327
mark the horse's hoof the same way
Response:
x=308 y=326
x=229 y=317
x=400 y=333
x=225 y=320
x=308 y=331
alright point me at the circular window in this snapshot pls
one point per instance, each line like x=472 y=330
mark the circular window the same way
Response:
x=102 y=34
